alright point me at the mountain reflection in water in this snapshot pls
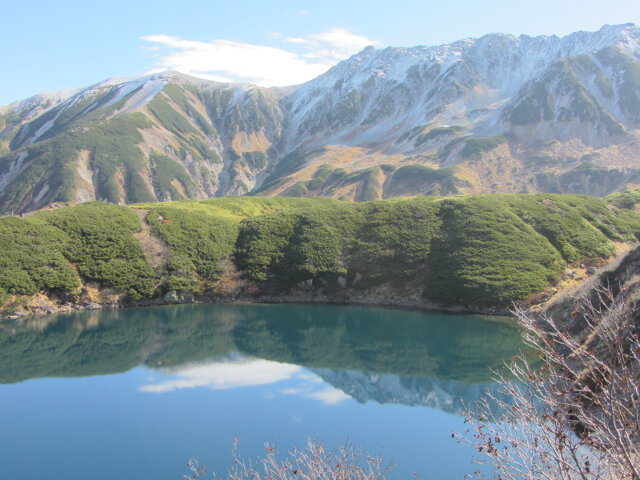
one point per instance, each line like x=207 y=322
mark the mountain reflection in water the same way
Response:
x=134 y=393
x=387 y=356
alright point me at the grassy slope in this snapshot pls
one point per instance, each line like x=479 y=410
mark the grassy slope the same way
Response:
x=473 y=250
x=628 y=199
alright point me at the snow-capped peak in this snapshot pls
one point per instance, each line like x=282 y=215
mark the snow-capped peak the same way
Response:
x=492 y=68
x=394 y=62
x=38 y=104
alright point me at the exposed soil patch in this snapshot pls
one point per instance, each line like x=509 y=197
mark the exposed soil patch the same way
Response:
x=577 y=279
x=155 y=249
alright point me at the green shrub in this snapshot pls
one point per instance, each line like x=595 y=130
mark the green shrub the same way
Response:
x=485 y=255
x=103 y=248
x=256 y=160
x=32 y=258
x=411 y=179
x=476 y=250
x=97 y=238
x=437 y=132
x=197 y=242
x=165 y=171
x=394 y=240
x=478 y=145
x=473 y=250
x=625 y=199
x=379 y=241
x=261 y=244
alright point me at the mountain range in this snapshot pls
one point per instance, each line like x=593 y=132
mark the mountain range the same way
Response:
x=500 y=113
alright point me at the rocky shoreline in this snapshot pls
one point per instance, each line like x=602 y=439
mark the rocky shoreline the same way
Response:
x=43 y=307
x=233 y=289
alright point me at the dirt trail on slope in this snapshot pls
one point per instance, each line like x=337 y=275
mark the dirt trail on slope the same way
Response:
x=155 y=249
x=581 y=281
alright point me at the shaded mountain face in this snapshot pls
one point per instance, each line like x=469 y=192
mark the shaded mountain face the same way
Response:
x=495 y=114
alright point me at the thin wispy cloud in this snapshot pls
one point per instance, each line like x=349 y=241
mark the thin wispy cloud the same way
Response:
x=300 y=59
x=334 y=43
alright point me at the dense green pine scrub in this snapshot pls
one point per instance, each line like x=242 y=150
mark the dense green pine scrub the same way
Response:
x=32 y=258
x=52 y=250
x=102 y=246
x=197 y=241
x=201 y=233
x=478 y=250
x=625 y=198
x=469 y=250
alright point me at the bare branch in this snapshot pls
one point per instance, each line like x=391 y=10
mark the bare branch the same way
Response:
x=576 y=415
x=314 y=462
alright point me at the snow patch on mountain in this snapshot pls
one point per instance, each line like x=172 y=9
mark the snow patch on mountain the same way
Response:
x=14 y=169
x=44 y=128
x=143 y=92
x=444 y=84
x=38 y=104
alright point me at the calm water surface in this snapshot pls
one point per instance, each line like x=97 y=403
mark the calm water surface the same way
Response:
x=133 y=394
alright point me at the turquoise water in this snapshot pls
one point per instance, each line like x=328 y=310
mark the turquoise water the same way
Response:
x=136 y=393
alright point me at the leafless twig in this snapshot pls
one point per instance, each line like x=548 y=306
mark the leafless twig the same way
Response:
x=314 y=462
x=576 y=415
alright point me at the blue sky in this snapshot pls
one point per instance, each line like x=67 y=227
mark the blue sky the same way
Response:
x=49 y=46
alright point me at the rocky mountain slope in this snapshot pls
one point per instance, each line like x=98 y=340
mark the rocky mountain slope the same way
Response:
x=495 y=114
x=163 y=137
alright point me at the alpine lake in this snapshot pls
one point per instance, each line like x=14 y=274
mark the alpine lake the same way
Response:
x=136 y=393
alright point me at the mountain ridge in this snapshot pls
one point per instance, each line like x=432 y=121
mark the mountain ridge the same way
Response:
x=500 y=113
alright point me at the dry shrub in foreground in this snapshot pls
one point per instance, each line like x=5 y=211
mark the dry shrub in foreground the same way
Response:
x=575 y=415
x=314 y=462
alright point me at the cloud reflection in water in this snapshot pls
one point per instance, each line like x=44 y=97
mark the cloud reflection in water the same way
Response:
x=240 y=371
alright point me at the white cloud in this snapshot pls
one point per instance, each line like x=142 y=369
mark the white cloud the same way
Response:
x=291 y=391
x=300 y=40
x=327 y=396
x=310 y=378
x=303 y=13
x=330 y=396
x=222 y=375
x=344 y=42
x=239 y=371
x=229 y=60
x=335 y=44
